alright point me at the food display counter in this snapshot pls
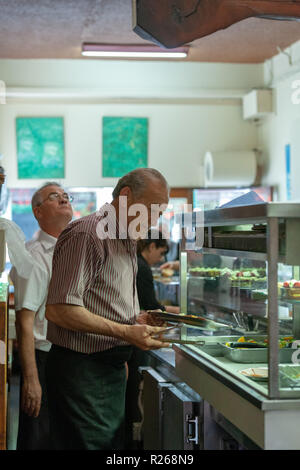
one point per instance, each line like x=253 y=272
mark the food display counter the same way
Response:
x=240 y=292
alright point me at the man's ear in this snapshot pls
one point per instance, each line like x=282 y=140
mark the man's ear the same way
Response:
x=126 y=192
x=37 y=212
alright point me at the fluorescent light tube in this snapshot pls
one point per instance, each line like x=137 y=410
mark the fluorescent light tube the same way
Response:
x=131 y=51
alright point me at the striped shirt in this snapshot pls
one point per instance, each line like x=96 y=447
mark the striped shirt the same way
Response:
x=98 y=274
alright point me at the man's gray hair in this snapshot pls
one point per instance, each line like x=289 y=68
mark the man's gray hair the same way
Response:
x=37 y=198
x=137 y=181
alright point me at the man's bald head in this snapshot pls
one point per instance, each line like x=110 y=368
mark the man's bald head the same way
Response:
x=138 y=180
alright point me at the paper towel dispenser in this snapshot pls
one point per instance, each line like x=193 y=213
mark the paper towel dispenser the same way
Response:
x=230 y=169
x=257 y=104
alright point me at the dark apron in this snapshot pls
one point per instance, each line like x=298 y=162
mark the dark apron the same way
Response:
x=86 y=395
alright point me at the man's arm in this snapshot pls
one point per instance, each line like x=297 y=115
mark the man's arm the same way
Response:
x=31 y=393
x=77 y=318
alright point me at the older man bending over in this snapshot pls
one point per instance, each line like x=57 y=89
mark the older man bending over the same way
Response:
x=93 y=310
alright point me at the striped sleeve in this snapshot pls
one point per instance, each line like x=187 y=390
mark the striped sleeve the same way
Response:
x=76 y=263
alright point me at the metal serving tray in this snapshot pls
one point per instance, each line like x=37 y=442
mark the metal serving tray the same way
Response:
x=214 y=349
x=253 y=355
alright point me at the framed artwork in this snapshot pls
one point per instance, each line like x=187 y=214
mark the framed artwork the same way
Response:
x=124 y=145
x=40 y=147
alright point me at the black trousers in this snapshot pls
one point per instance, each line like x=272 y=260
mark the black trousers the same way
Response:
x=86 y=394
x=33 y=433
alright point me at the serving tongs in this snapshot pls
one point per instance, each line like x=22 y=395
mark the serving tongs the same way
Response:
x=166 y=339
x=198 y=322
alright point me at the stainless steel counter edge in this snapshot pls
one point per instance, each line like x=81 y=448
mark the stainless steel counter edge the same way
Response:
x=253 y=213
x=235 y=385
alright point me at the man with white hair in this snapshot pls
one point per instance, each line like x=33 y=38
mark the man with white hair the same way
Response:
x=52 y=209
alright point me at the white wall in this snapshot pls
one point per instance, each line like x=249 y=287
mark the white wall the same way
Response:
x=284 y=126
x=191 y=108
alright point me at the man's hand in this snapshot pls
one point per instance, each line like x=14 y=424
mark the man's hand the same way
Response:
x=142 y=336
x=77 y=318
x=31 y=397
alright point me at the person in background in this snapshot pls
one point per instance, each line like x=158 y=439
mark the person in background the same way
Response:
x=52 y=209
x=150 y=252
x=94 y=316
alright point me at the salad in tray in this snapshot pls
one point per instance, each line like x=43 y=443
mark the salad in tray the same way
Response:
x=290 y=289
x=249 y=343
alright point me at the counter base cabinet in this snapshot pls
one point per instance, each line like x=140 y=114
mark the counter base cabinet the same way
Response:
x=175 y=421
x=221 y=434
x=172 y=420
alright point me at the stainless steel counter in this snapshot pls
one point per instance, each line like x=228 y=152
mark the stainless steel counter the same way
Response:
x=271 y=424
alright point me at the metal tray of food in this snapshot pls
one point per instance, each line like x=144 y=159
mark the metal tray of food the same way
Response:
x=255 y=355
x=193 y=320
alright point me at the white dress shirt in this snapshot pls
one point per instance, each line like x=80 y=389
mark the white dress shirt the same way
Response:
x=32 y=293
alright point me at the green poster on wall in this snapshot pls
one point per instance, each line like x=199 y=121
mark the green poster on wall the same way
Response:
x=40 y=147
x=124 y=145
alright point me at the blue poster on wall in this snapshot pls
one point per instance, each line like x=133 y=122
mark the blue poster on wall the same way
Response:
x=288 y=172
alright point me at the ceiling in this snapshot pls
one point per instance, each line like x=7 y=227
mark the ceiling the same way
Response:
x=57 y=28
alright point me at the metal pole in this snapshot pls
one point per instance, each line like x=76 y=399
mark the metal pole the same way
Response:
x=273 y=324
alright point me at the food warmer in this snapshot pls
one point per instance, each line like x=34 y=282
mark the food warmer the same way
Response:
x=240 y=294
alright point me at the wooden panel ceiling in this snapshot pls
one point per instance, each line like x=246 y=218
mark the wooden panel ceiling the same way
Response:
x=57 y=28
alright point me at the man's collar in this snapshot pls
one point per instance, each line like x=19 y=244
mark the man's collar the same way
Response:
x=46 y=240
